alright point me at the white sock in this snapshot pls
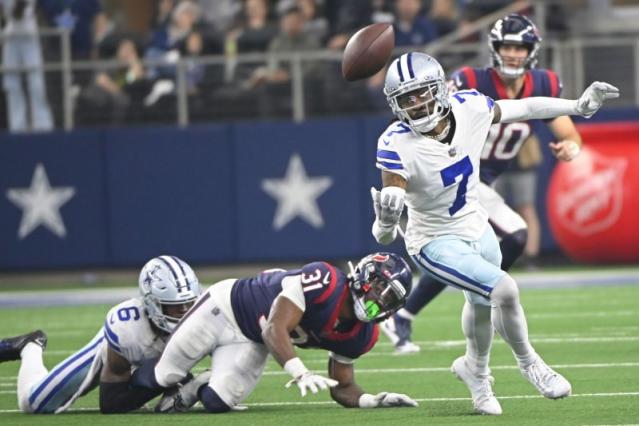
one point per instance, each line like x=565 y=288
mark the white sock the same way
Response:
x=510 y=321
x=479 y=336
x=405 y=314
x=32 y=370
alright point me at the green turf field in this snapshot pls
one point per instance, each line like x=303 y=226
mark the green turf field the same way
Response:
x=591 y=335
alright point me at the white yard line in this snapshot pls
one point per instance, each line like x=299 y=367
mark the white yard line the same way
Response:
x=10 y=379
x=443 y=399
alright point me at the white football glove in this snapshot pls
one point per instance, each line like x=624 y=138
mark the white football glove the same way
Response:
x=388 y=204
x=386 y=399
x=594 y=96
x=313 y=382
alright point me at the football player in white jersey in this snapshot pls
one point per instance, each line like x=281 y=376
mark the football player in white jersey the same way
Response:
x=134 y=330
x=429 y=161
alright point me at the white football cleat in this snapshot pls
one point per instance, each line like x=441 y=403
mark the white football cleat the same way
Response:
x=407 y=348
x=480 y=386
x=548 y=382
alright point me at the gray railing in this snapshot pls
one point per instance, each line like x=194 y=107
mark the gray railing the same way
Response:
x=578 y=61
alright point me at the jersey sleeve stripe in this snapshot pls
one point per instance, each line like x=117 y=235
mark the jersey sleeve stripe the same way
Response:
x=554 y=83
x=111 y=337
x=387 y=155
x=471 y=78
x=390 y=166
x=331 y=285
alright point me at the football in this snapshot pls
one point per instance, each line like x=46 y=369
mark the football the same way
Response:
x=367 y=51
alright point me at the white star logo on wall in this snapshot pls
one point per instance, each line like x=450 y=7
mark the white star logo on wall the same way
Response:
x=40 y=204
x=296 y=194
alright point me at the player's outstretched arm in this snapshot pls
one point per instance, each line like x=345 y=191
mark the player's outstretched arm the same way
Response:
x=512 y=110
x=348 y=393
x=117 y=394
x=283 y=318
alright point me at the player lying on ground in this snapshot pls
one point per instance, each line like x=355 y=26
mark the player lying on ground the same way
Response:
x=133 y=330
x=514 y=43
x=239 y=322
x=430 y=160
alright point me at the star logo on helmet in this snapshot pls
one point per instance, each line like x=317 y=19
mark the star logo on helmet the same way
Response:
x=150 y=275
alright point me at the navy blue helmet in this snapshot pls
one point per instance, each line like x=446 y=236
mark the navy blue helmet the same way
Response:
x=514 y=29
x=380 y=284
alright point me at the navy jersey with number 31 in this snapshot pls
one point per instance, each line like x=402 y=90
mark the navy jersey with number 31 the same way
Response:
x=325 y=291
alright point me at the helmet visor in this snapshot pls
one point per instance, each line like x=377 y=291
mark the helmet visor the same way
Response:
x=383 y=296
x=418 y=103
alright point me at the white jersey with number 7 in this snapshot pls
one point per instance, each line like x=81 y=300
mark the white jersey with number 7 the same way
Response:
x=441 y=195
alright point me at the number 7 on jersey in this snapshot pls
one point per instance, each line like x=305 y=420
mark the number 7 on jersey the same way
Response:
x=449 y=175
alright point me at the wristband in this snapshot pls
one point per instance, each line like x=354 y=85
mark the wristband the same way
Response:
x=366 y=400
x=295 y=367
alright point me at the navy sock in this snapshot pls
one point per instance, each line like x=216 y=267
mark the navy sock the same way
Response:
x=211 y=400
x=427 y=289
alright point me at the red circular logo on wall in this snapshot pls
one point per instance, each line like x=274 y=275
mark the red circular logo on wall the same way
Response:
x=593 y=204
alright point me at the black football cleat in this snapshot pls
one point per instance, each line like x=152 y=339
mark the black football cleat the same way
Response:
x=11 y=347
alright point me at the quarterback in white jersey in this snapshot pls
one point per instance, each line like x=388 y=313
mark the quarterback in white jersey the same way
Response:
x=134 y=330
x=430 y=162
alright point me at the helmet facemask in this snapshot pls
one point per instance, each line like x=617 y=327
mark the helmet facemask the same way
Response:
x=157 y=311
x=377 y=294
x=421 y=105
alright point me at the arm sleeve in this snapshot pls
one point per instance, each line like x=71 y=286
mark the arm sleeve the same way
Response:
x=513 y=110
x=122 y=397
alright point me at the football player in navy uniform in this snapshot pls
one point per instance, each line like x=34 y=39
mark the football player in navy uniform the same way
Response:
x=134 y=330
x=514 y=44
x=238 y=322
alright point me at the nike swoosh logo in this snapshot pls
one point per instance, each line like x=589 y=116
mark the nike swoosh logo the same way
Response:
x=386 y=142
x=327 y=278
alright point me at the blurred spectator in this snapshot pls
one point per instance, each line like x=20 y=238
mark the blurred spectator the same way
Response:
x=315 y=24
x=163 y=13
x=22 y=49
x=275 y=98
x=291 y=38
x=220 y=14
x=518 y=186
x=195 y=70
x=111 y=92
x=445 y=16
x=412 y=27
x=256 y=29
x=349 y=16
x=105 y=37
x=78 y=16
x=253 y=33
x=167 y=40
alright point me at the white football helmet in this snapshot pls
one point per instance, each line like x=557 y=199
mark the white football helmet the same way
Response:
x=416 y=91
x=167 y=280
